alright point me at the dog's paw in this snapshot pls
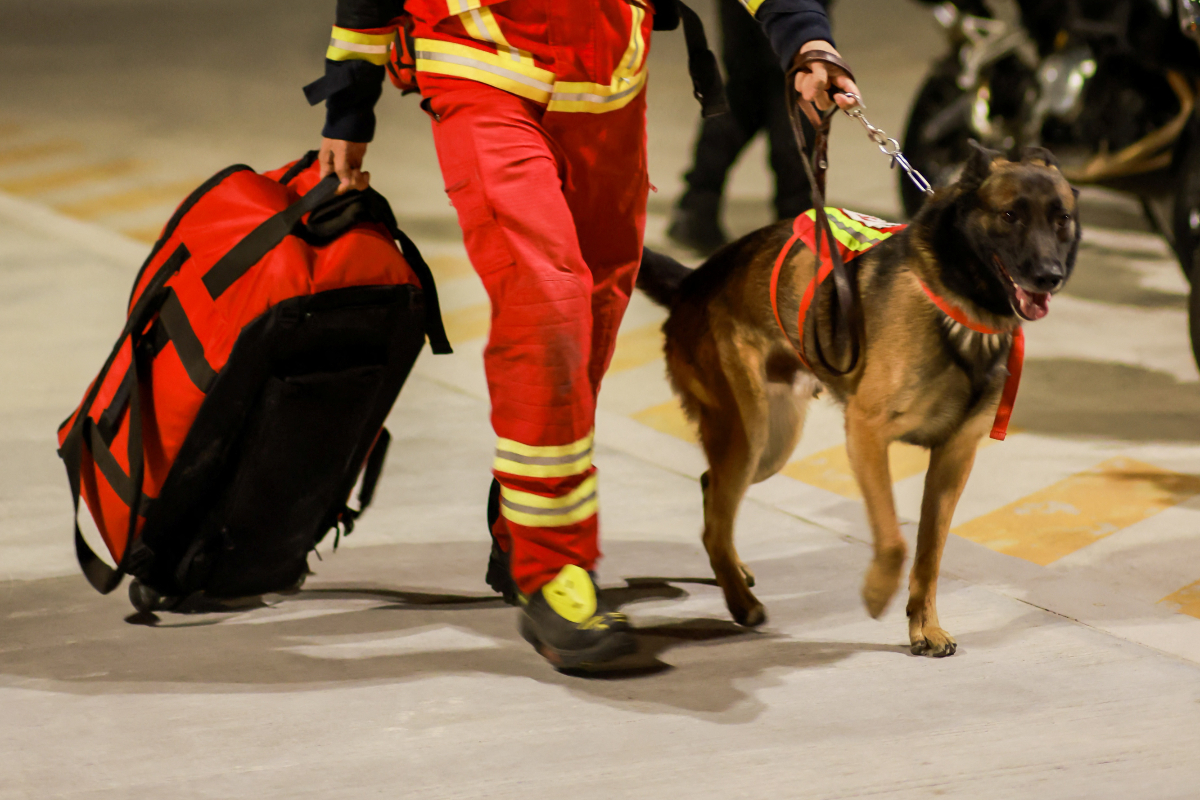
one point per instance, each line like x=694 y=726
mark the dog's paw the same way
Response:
x=746 y=573
x=751 y=617
x=879 y=588
x=935 y=643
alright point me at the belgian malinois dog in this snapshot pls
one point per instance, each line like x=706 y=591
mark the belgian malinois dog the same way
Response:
x=996 y=244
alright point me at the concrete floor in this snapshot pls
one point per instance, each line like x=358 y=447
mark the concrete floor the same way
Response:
x=396 y=673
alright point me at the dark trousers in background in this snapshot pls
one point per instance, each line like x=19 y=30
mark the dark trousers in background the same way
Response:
x=755 y=89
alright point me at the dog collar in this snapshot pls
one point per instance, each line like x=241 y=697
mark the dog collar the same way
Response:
x=1016 y=358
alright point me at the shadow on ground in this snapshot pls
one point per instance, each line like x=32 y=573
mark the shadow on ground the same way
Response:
x=346 y=627
x=1068 y=397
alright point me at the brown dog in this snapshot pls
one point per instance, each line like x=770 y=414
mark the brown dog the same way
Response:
x=996 y=245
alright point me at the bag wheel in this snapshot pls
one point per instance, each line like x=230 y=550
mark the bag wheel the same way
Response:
x=146 y=600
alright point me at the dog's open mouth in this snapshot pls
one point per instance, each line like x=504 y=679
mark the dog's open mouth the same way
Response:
x=1028 y=305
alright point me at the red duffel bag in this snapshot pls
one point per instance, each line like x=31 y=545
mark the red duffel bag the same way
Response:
x=267 y=337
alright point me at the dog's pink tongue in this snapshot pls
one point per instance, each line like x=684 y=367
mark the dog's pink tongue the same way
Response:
x=1033 y=305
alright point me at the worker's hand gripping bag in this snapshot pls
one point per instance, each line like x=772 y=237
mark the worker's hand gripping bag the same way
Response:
x=267 y=337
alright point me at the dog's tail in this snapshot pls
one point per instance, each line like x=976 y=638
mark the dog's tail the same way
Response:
x=660 y=277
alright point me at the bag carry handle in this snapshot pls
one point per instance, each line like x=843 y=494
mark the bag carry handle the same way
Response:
x=265 y=238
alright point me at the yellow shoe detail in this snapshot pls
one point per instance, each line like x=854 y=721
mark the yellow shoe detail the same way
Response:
x=571 y=594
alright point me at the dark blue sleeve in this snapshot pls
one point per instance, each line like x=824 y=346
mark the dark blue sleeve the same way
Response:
x=351 y=88
x=791 y=23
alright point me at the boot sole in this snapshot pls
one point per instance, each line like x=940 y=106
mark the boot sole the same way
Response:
x=612 y=647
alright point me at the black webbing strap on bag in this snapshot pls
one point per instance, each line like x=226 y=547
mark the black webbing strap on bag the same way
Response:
x=265 y=238
x=846 y=308
x=244 y=255
x=99 y=574
x=366 y=493
x=368 y=205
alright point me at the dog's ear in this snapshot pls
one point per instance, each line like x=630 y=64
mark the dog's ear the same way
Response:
x=1039 y=156
x=978 y=166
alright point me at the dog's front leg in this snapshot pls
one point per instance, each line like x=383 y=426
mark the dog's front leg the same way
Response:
x=949 y=466
x=868 y=450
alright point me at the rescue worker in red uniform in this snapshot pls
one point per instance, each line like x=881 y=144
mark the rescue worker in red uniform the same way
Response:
x=540 y=126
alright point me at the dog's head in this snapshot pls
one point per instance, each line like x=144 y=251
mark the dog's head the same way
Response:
x=1021 y=220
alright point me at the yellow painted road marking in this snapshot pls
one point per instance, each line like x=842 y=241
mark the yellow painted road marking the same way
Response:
x=469 y=322
x=1186 y=600
x=31 y=152
x=668 y=418
x=448 y=268
x=637 y=347
x=149 y=235
x=830 y=469
x=1084 y=508
x=49 y=181
x=131 y=200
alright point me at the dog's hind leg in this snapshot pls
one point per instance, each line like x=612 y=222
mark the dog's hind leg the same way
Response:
x=734 y=434
x=868 y=450
x=949 y=466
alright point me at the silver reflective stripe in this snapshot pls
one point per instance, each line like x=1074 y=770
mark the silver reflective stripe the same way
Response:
x=588 y=97
x=542 y=460
x=358 y=48
x=857 y=235
x=546 y=512
x=447 y=58
x=483 y=31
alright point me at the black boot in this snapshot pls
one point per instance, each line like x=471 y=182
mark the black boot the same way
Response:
x=696 y=222
x=499 y=573
x=565 y=622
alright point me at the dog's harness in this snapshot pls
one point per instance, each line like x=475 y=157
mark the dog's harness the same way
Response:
x=848 y=235
x=855 y=234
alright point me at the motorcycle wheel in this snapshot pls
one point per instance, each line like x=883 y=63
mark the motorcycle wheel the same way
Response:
x=1185 y=221
x=936 y=135
x=1194 y=319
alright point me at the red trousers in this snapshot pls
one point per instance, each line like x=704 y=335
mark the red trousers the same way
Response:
x=552 y=206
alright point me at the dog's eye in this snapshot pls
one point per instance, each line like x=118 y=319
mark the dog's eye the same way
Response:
x=1009 y=217
x=1065 y=219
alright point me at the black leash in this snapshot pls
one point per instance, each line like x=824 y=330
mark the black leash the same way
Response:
x=846 y=306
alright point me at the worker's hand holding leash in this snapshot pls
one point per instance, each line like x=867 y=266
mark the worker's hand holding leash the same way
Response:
x=825 y=82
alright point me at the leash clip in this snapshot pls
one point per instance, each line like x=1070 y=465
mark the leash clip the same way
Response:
x=887 y=145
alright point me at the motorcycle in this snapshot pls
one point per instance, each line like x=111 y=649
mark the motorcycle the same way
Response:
x=1109 y=86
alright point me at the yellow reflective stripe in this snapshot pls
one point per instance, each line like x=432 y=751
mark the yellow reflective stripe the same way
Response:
x=569 y=465
x=838 y=225
x=463 y=61
x=456 y=7
x=751 y=5
x=866 y=237
x=347 y=45
x=537 y=511
x=575 y=448
x=627 y=80
x=635 y=53
x=481 y=25
x=595 y=98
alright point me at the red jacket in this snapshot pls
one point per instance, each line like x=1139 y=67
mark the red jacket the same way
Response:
x=573 y=55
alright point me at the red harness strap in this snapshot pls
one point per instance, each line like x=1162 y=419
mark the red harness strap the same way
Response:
x=1016 y=355
x=1016 y=359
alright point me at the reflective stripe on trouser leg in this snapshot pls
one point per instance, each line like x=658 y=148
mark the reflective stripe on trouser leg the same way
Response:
x=548 y=507
x=518 y=188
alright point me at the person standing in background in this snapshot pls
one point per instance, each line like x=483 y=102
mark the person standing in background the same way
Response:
x=755 y=90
